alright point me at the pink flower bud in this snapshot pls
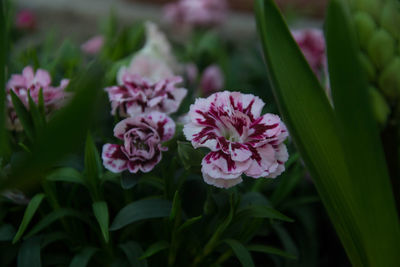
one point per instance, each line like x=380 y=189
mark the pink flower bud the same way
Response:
x=25 y=20
x=93 y=45
x=212 y=80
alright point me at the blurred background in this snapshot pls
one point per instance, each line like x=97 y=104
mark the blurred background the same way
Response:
x=77 y=19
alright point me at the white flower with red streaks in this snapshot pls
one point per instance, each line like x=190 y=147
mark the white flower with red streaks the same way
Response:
x=142 y=137
x=241 y=140
x=139 y=95
x=30 y=82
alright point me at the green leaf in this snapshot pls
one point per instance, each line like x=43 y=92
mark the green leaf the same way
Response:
x=41 y=102
x=189 y=156
x=129 y=180
x=141 y=210
x=176 y=207
x=69 y=175
x=154 y=249
x=315 y=130
x=53 y=217
x=241 y=252
x=133 y=251
x=23 y=116
x=258 y=211
x=29 y=253
x=189 y=222
x=38 y=118
x=4 y=146
x=28 y=215
x=82 y=258
x=377 y=217
x=100 y=210
x=271 y=250
x=93 y=166
x=7 y=232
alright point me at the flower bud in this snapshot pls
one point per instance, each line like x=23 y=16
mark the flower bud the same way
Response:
x=368 y=67
x=379 y=106
x=372 y=7
x=390 y=18
x=365 y=26
x=381 y=48
x=389 y=80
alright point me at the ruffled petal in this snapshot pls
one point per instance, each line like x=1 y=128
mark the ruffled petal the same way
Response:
x=222 y=183
x=113 y=158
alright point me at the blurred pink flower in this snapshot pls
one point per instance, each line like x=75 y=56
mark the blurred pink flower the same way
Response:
x=312 y=44
x=241 y=140
x=25 y=20
x=191 y=72
x=31 y=82
x=141 y=149
x=201 y=13
x=93 y=45
x=139 y=95
x=155 y=60
x=212 y=80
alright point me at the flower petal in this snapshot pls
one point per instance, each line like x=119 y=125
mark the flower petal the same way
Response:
x=113 y=158
x=222 y=183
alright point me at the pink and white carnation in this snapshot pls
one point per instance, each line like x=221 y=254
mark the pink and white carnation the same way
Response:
x=200 y=13
x=155 y=60
x=30 y=82
x=138 y=95
x=312 y=44
x=141 y=147
x=242 y=141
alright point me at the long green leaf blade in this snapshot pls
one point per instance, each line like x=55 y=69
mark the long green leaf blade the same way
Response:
x=241 y=252
x=28 y=215
x=364 y=152
x=23 y=116
x=100 y=210
x=29 y=253
x=55 y=216
x=312 y=124
x=141 y=210
x=82 y=258
x=3 y=60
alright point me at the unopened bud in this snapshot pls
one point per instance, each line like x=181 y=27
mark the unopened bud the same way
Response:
x=389 y=80
x=381 y=48
x=379 y=106
x=390 y=18
x=372 y=7
x=365 y=26
x=368 y=67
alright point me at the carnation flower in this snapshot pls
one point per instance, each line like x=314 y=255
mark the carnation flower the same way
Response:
x=139 y=95
x=31 y=82
x=312 y=44
x=93 y=45
x=241 y=140
x=201 y=13
x=141 y=149
x=155 y=60
x=212 y=80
